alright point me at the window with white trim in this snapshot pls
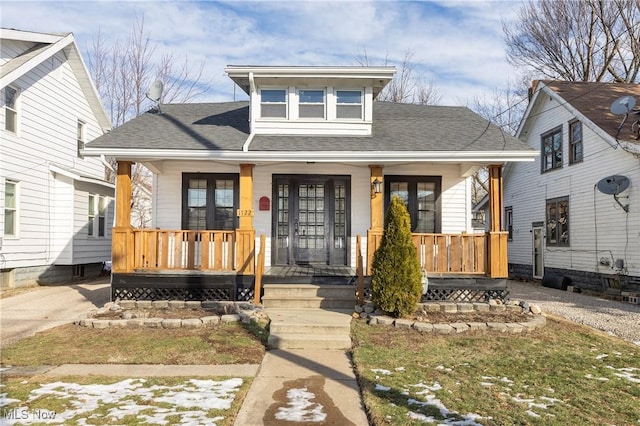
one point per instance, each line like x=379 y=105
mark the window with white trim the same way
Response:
x=81 y=136
x=273 y=103
x=97 y=217
x=349 y=104
x=11 y=109
x=10 y=208
x=311 y=103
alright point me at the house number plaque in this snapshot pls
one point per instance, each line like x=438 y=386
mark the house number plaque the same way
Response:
x=245 y=212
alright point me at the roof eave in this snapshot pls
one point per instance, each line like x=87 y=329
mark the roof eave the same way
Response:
x=318 y=156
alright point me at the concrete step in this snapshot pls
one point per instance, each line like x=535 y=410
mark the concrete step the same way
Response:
x=307 y=341
x=293 y=302
x=310 y=290
x=318 y=329
x=309 y=328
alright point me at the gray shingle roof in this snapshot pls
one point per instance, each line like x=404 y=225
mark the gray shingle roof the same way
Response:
x=396 y=127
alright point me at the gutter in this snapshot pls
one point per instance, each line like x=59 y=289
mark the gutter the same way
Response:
x=247 y=143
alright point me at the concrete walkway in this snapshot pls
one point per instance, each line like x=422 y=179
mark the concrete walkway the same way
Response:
x=325 y=377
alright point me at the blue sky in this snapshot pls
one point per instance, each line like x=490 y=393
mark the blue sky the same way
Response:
x=457 y=45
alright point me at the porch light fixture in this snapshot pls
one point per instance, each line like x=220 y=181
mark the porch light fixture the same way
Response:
x=376 y=186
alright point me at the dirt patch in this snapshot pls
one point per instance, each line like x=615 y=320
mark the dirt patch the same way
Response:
x=168 y=313
x=475 y=316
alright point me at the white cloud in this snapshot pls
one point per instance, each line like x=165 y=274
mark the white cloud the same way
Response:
x=457 y=45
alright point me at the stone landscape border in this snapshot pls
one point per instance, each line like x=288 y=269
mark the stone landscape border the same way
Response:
x=248 y=313
x=238 y=312
x=537 y=320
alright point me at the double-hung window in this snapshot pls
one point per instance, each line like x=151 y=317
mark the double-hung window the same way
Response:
x=10 y=208
x=311 y=104
x=421 y=196
x=11 y=109
x=273 y=103
x=209 y=201
x=575 y=142
x=97 y=215
x=349 y=104
x=552 y=150
x=558 y=221
x=80 y=136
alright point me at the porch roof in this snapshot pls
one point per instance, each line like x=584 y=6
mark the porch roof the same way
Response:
x=223 y=127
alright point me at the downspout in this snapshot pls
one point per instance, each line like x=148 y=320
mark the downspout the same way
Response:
x=104 y=161
x=252 y=90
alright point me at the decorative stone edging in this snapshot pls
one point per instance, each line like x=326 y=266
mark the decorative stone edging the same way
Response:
x=537 y=319
x=238 y=312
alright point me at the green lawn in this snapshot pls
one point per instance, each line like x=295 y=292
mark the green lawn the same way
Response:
x=559 y=375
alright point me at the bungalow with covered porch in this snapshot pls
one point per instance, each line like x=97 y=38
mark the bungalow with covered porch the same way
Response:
x=291 y=187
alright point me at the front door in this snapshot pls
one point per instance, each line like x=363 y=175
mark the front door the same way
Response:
x=310 y=220
x=538 y=250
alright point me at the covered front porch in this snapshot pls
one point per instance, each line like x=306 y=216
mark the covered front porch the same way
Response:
x=231 y=264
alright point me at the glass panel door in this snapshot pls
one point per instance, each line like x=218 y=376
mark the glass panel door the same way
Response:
x=309 y=227
x=282 y=225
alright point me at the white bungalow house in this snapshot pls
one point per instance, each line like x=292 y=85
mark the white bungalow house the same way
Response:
x=575 y=211
x=56 y=206
x=309 y=163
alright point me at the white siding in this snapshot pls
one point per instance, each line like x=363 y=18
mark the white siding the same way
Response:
x=86 y=248
x=527 y=189
x=455 y=197
x=49 y=105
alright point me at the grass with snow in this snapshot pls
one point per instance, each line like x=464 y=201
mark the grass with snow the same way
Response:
x=561 y=374
x=106 y=400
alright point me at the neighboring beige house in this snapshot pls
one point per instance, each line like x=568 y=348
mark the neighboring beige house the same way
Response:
x=309 y=162
x=57 y=209
x=575 y=211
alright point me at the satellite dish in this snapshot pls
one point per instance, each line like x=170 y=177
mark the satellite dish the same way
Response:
x=623 y=105
x=155 y=92
x=613 y=185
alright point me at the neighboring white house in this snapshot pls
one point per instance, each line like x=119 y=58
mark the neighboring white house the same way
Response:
x=310 y=163
x=57 y=209
x=560 y=221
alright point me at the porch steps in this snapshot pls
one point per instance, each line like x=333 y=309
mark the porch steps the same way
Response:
x=309 y=329
x=308 y=296
x=307 y=316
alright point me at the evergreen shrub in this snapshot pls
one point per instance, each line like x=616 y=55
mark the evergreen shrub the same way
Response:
x=396 y=277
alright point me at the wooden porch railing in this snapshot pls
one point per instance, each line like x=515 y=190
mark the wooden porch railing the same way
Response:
x=188 y=250
x=442 y=253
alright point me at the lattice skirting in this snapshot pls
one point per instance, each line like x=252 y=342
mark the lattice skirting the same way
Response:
x=464 y=295
x=196 y=294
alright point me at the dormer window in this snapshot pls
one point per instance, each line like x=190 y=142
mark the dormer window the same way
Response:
x=349 y=104
x=311 y=104
x=273 y=103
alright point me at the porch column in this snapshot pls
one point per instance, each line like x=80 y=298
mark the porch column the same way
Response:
x=121 y=236
x=246 y=234
x=498 y=266
x=376 y=207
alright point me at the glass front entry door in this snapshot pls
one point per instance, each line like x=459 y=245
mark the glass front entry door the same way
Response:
x=310 y=221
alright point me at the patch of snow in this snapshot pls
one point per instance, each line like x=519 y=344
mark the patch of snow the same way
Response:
x=591 y=376
x=301 y=409
x=506 y=380
x=379 y=387
x=200 y=395
x=601 y=356
x=381 y=371
x=486 y=384
x=532 y=414
x=426 y=388
x=400 y=369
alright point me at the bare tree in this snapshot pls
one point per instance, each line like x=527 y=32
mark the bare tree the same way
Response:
x=123 y=72
x=577 y=40
x=405 y=86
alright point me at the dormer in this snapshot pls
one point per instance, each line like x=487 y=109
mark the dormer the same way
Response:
x=335 y=101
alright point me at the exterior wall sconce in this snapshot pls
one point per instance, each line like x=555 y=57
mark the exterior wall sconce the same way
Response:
x=376 y=186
